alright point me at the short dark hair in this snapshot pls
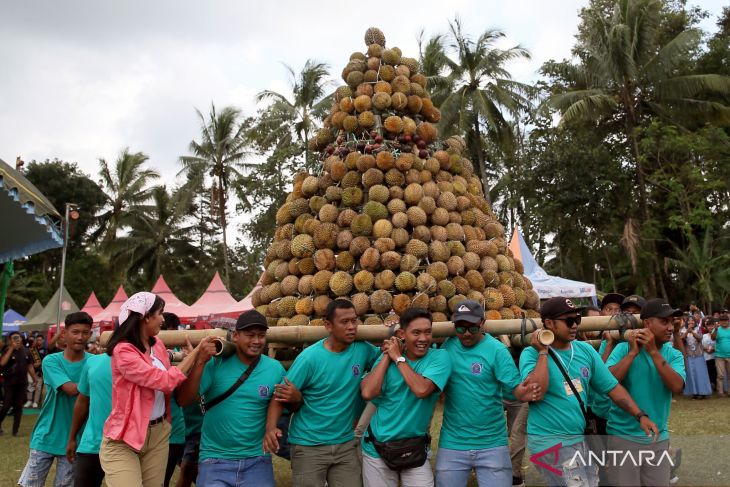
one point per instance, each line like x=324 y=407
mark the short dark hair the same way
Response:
x=333 y=306
x=12 y=333
x=172 y=321
x=413 y=314
x=590 y=308
x=78 y=318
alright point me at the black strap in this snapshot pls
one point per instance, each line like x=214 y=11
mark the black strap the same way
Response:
x=207 y=405
x=523 y=330
x=370 y=437
x=557 y=361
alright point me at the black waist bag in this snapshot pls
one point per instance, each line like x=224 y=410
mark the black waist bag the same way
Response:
x=401 y=454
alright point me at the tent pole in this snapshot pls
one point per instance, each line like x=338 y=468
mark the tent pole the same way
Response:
x=63 y=266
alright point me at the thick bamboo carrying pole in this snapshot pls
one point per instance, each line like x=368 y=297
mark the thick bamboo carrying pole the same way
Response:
x=297 y=335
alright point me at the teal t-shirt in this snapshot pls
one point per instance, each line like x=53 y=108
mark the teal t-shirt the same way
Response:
x=234 y=429
x=330 y=387
x=54 y=422
x=193 y=419
x=558 y=417
x=177 y=434
x=473 y=412
x=599 y=403
x=96 y=384
x=400 y=414
x=722 y=342
x=648 y=391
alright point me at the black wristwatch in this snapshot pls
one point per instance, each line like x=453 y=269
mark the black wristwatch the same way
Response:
x=640 y=415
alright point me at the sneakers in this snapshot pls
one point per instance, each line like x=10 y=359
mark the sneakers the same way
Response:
x=27 y=404
x=34 y=405
x=518 y=482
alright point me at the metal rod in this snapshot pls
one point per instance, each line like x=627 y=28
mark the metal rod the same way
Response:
x=63 y=266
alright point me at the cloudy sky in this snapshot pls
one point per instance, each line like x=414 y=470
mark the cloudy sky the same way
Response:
x=82 y=79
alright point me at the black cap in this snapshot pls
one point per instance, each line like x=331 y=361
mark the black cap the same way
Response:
x=658 y=308
x=554 y=307
x=612 y=298
x=250 y=319
x=634 y=299
x=469 y=311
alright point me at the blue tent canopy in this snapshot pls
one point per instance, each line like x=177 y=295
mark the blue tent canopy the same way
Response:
x=12 y=316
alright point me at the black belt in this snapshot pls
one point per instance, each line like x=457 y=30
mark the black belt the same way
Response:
x=157 y=421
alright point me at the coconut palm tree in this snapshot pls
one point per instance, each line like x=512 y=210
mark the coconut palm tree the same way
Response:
x=303 y=107
x=476 y=91
x=126 y=185
x=218 y=156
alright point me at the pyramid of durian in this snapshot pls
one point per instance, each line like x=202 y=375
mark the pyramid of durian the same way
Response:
x=394 y=218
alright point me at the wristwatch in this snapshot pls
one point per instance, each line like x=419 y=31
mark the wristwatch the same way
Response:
x=400 y=360
x=640 y=415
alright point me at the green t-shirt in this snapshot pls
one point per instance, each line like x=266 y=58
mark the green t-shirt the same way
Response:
x=558 y=417
x=330 y=387
x=599 y=403
x=648 y=391
x=722 y=342
x=177 y=435
x=473 y=412
x=234 y=429
x=400 y=414
x=193 y=419
x=96 y=384
x=54 y=422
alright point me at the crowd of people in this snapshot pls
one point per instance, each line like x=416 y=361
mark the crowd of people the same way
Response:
x=350 y=413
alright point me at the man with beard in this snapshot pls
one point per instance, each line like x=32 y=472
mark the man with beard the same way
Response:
x=651 y=370
x=237 y=390
x=404 y=385
x=323 y=387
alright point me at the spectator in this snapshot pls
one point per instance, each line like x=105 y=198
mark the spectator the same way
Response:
x=721 y=335
x=698 y=381
x=35 y=390
x=17 y=366
x=708 y=349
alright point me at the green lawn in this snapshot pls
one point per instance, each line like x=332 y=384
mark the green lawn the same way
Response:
x=701 y=428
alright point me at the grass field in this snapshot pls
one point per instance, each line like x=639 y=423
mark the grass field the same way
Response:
x=701 y=428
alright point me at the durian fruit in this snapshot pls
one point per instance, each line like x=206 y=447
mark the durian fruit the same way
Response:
x=341 y=283
x=374 y=36
x=302 y=246
x=363 y=281
x=381 y=301
x=405 y=282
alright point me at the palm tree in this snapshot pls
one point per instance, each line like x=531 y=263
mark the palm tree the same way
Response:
x=157 y=235
x=300 y=111
x=126 y=186
x=218 y=155
x=626 y=76
x=476 y=91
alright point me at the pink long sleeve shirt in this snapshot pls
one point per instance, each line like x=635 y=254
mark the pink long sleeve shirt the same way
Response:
x=134 y=382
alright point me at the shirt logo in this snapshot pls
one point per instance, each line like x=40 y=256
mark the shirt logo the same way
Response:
x=584 y=372
x=476 y=368
x=356 y=370
x=264 y=391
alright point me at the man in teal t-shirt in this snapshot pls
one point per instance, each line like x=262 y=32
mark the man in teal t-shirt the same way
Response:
x=721 y=335
x=93 y=405
x=61 y=374
x=474 y=430
x=404 y=385
x=231 y=440
x=651 y=370
x=326 y=378
x=556 y=421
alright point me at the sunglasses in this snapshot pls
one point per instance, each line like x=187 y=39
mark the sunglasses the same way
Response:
x=570 y=320
x=471 y=329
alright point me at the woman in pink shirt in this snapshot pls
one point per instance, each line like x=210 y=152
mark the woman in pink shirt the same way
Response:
x=135 y=445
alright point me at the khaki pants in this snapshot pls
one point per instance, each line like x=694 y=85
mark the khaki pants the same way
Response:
x=125 y=467
x=339 y=465
x=636 y=474
x=375 y=473
x=722 y=365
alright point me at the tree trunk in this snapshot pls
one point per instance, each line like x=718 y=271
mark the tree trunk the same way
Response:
x=222 y=210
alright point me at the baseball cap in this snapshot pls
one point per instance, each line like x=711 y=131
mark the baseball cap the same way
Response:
x=658 y=308
x=250 y=319
x=469 y=311
x=554 y=307
x=612 y=298
x=634 y=299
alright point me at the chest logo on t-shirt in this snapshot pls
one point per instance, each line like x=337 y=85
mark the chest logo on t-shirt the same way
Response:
x=356 y=370
x=476 y=368
x=264 y=391
x=585 y=372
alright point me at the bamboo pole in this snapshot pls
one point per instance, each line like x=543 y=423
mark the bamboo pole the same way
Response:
x=176 y=338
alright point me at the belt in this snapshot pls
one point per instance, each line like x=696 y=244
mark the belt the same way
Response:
x=157 y=421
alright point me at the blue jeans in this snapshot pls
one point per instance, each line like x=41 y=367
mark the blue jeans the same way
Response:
x=492 y=466
x=248 y=472
x=571 y=474
x=36 y=470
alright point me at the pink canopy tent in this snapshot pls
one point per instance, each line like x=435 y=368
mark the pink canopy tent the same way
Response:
x=112 y=311
x=92 y=306
x=172 y=303
x=243 y=305
x=214 y=300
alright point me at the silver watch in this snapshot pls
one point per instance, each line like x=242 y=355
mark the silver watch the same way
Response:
x=400 y=360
